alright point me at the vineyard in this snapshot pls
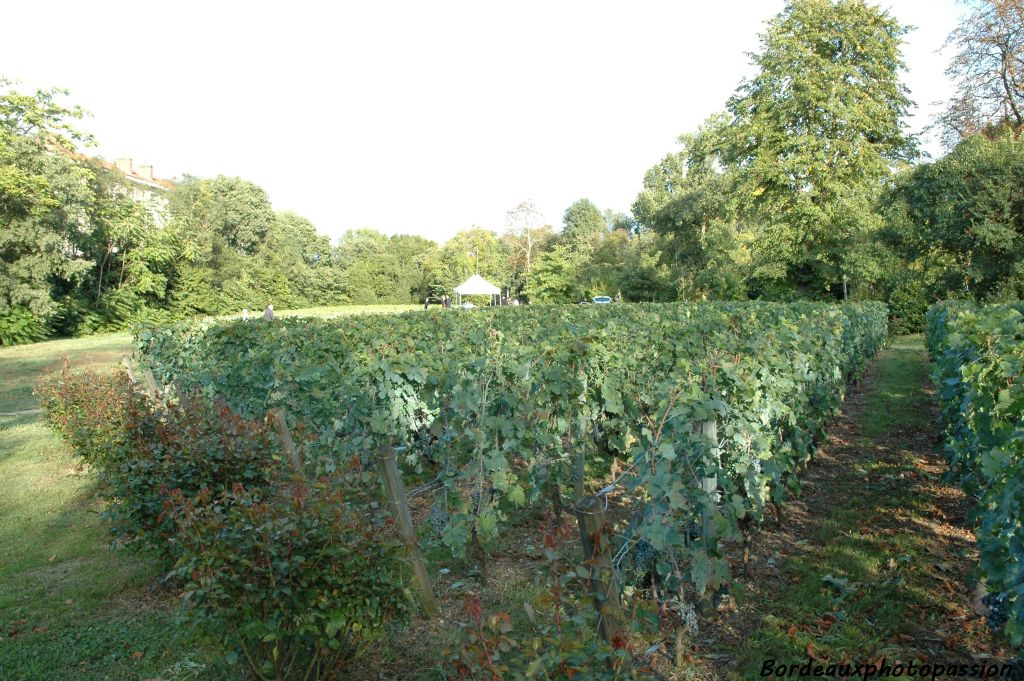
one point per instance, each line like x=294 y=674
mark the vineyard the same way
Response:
x=979 y=355
x=697 y=417
x=577 y=492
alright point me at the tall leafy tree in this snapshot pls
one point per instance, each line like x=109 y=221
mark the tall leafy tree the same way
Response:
x=558 y=276
x=689 y=200
x=525 y=236
x=242 y=212
x=133 y=256
x=964 y=221
x=583 y=225
x=814 y=135
x=44 y=198
x=220 y=224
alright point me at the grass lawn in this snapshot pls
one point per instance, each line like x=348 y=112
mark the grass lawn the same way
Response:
x=343 y=310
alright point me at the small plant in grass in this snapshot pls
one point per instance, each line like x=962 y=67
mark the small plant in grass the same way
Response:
x=298 y=582
x=562 y=643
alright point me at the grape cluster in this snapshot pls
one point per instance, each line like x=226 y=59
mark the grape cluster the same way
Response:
x=438 y=518
x=490 y=494
x=424 y=442
x=645 y=556
x=694 y=530
x=998 y=610
x=688 y=618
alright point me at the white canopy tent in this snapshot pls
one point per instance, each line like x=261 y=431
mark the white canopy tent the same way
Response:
x=476 y=286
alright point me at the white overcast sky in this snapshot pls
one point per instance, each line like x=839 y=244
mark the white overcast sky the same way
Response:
x=413 y=117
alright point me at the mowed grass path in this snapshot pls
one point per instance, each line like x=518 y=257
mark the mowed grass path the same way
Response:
x=874 y=560
x=70 y=608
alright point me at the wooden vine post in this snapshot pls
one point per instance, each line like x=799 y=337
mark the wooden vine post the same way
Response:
x=280 y=424
x=129 y=367
x=709 y=429
x=595 y=535
x=398 y=503
x=148 y=380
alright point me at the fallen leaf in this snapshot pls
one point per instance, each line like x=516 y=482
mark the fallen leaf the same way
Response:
x=813 y=654
x=53 y=557
x=791 y=632
x=138 y=654
x=905 y=637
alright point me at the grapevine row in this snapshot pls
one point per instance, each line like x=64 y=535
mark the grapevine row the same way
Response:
x=978 y=355
x=521 y=405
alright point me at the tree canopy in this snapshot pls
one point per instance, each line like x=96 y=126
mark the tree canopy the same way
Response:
x=806 y=184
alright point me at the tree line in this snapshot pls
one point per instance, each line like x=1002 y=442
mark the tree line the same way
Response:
x=807 y=185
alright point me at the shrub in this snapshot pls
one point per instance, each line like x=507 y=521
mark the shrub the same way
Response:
x=19 y=325
x=88 y=409
x=298 y=581
x=298 y=578
x=185 y=449
x=141 y=450
x=908 y=302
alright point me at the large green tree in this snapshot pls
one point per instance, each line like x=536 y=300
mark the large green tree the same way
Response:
x=583 y=226
x=133 y=256
x=958 y=223
x=525 y=236
x=814 y=136
x=690 y=201
x=375 y=268
x=44 y=199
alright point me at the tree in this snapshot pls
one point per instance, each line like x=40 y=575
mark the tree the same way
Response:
x=988 y=69
x=814 y=135
x=963 y=230
x=558 y=276
x=133 y=257
x=619 y=221
x=690 y=201
x=362 y=259
x=524 y=223
x=583 y=226
x=242 y=212
x=644 y=276
x=477 y=251
x=299 y=235
x=44 y=193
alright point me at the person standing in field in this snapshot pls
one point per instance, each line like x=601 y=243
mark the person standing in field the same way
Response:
x=268 y=314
